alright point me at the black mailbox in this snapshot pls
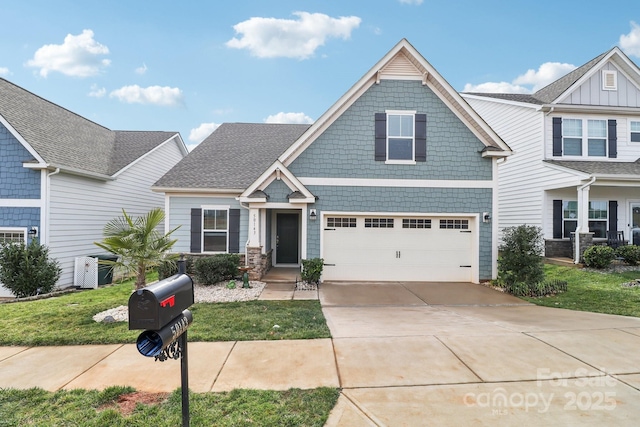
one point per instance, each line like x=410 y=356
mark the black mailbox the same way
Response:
x=157 y=305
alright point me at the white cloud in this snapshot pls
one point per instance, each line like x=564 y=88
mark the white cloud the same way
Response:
x=156 y=95
x=78 y=56
x=141 y=70
x=198 y=134
x=416 y=2
x=630 y=43
x=294 y=118
x=272 y=37
x=4 y=71
x=528 y=82
x=97 y=92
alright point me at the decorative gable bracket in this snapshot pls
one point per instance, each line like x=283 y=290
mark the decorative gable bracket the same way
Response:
x=277 y=171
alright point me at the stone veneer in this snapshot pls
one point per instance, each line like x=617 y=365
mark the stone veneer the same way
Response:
x=259 y=262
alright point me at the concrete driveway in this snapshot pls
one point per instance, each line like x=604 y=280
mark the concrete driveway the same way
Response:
x=418 y=354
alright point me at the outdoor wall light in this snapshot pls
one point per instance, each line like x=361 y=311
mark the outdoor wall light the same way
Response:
x=486 y=217
x=33 y=232
x=313 y=215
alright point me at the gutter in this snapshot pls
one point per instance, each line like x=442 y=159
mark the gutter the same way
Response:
x=576 y=239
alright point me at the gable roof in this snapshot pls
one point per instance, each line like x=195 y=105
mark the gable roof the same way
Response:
x=57 y=137
x=403 y=61
x=556 y=91
x=232 y=157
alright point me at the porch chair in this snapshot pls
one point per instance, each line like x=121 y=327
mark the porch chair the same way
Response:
x=615 y=239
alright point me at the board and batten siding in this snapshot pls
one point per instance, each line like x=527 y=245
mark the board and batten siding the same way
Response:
x=80 y=207
x=591 y=92
x=523 y=176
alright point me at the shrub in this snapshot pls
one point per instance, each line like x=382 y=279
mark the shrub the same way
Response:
x=170 y=267
x=312 y=270
x=27 y=270
x=521 y=259
x=214 y=269
x=540 y=289
x=629 y=254
x=599 y=256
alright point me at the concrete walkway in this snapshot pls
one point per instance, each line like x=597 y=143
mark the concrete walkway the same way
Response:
x=406 y=354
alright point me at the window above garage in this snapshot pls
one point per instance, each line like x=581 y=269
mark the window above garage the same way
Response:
x=400 y=137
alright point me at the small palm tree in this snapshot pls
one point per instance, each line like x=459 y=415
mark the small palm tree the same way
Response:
x=137 y=243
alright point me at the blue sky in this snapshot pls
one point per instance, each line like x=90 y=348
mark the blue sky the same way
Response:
x=189 y=66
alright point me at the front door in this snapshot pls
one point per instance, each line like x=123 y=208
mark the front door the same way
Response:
x=287 y=238
x=634 y=238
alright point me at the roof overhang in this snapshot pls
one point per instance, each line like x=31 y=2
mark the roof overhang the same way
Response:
x=588 y=109
x=277 y=171
x=216 y=191
x=68 y=170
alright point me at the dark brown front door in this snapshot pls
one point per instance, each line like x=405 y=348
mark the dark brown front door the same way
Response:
x=287 y=238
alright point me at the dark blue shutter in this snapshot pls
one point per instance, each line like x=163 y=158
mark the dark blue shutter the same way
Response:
x=613 y=216
x=381 y=137
x=613 y=139
x=421 y=137
x=234 y=231
x=557 y=136
x=196 y=230
x=557 y=219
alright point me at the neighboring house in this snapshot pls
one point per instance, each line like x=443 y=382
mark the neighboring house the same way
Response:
x=396 y=181
x=63 y=177
x=576 y=162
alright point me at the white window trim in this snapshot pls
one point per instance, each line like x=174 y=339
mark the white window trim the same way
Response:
x=413 y=140
x=202 y=229
x=605 y=74
x=605 y=220
x=585 y=138
x=632 y=132
x=22 y=230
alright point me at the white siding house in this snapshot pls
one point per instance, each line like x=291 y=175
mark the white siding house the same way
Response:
x=576 y=164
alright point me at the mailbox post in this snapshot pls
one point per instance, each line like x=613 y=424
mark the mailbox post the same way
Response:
x=161 y=310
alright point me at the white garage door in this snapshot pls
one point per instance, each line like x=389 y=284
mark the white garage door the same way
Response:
x=392 y=248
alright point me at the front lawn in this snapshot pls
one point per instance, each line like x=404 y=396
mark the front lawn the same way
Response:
x=599 y=292
x=94 y=408
x=67 y=320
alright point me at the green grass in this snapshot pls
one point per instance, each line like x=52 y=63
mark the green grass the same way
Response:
x=593 y=291
x=67 y=320
x=239 y=407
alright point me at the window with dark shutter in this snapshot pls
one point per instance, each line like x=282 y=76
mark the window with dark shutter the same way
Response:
x=613 y=216
x=557 y=136
x=196 y=231
x=557 y=219
x=381 y=137
x=401 y=137
x=421 y=138
x=613 y=139
x=234 y=231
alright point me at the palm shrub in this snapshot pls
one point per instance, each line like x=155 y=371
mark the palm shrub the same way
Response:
x=629 y=254
x=521 y=262
x=598 y=256
x=138 y=243
x=27 y=270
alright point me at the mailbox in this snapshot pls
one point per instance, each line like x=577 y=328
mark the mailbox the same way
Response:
x=151 y=343
x=157 y=305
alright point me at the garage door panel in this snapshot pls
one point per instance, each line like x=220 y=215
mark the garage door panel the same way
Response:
x=407 y=254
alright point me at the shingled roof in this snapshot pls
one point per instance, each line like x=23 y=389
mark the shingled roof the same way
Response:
x=600 y=168
x=233 y=156
x=66 y=140
x=552 y=91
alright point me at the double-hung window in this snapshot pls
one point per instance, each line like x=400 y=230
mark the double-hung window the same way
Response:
x=598 y=218
x=8 y=235
x=635 y=131
x=584 y=136
x=215 y=230
x=400 y=136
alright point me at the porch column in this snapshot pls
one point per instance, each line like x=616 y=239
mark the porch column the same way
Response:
x=254 y=228
x=583 y=239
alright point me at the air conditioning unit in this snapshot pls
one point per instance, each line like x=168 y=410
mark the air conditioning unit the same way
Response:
x=86 y=272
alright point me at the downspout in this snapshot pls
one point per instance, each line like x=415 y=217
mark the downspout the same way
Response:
x=47 y=207
x=578 y=228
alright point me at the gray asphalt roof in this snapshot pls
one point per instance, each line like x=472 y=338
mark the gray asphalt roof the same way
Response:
x=600 y=168
x=66 y=140
x=550 y=92
x=233 y=156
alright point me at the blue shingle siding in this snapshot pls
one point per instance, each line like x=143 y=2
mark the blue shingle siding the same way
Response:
x=20 y=217
x=452 y=149
x=278 y=192
x=406 y=200
x=16 y=182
